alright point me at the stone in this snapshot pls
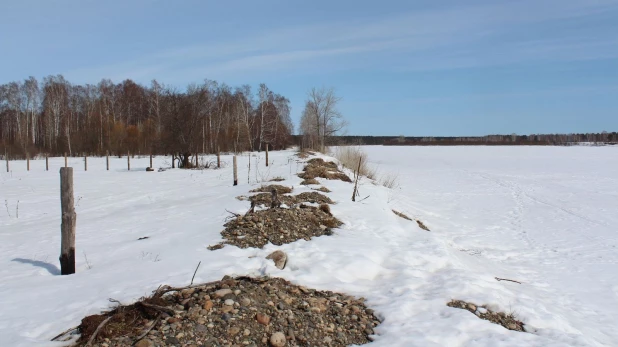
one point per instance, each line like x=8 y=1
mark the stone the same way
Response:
x=245 y=301
x=233 y=331
x=222 y=292
x=262 y=318
x=201 y=329
x=171 y=340
x=328 y=340
x=208 y=305
x=247 y=332
x=229 y=302
x=144 y=343
x=472 y=307
x=279 y=258
x=172 y=320
x=277 y=339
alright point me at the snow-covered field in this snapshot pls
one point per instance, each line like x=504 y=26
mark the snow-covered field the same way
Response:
x=545 y=216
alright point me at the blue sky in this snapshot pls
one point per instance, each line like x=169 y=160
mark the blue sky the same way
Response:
x=410 y=68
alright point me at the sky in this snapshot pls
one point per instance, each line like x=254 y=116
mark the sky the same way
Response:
x=413 y=68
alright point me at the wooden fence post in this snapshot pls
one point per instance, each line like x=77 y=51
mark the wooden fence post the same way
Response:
x=128 y=161
x=267 y=154
x=46 y=162
x=107 y=159
x=196 y=161
x=235 y=172
x=67 y=247
x=66 y=164
x=6 y=156
x=28 y=161
x=85 y=163
x=151 y=160
x=218 y=159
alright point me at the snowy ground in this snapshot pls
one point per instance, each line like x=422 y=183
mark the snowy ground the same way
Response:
x=545 y=216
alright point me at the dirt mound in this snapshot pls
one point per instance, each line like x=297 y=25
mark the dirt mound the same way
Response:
x=269 y=188
x=506 y=320
x=264 y=199
x=317 y=167
x=313 y=197
x=278 y=226
x=236 y=311
x=309 y=181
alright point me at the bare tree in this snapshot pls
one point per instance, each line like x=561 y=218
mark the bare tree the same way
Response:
x=321 y=118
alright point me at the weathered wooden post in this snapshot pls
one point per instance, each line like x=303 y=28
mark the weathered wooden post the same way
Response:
x=107 y=159
x=67 y=243
x=235 y=172
x=151 y=160
x=196 y=160
x=46 y=162
x=267 y=154
x=218 y=159
x=6 y=156
x=356 y=178
x=66 y=163
x=27 y=161
x=128 y=161
x=85 y=163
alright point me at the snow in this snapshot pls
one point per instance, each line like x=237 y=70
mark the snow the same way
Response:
x=544 y=216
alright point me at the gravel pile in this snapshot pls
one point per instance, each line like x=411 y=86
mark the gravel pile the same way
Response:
x=264 y=199
x=506 y=320
x=240 y=312
x=278 y=226
x=325 y=169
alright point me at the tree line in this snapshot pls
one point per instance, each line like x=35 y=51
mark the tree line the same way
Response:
x=56 y=117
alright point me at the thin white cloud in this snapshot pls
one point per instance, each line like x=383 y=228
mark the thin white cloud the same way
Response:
x=440 y=38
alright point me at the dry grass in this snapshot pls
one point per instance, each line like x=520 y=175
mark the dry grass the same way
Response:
x=421 y=225
x=317 y=167
x=323 y=189
x=349 y=156
x=277 y=179
x=309 y=181
x=389 y=180
x=402 y=215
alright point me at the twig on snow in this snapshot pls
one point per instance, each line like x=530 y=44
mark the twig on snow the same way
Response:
x=506 y=279
x=198 y=266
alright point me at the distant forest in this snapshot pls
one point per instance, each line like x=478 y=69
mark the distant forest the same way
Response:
x=501 y=140
x=56 y=117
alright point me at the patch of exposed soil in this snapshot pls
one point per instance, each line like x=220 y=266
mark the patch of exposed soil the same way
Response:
x=506 y=320
x=237 y=312
x=269 y=188
x=317 y=167
x=278 y=226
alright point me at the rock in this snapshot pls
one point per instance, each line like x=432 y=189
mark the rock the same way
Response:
x=472 y=307
x=262 y=318
x=245 y=301
x=512 y=326
x=229 y=302
x=227 y=309
x=279 y=258
x=277 y=339
x=208 y=305
x=144 y=343
x=247 y=332
x=222 y=292
x=328 y=340
x=237 y=292
x=233 y=331
x=171 y=340
x=201 y=329
x=172 y=320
